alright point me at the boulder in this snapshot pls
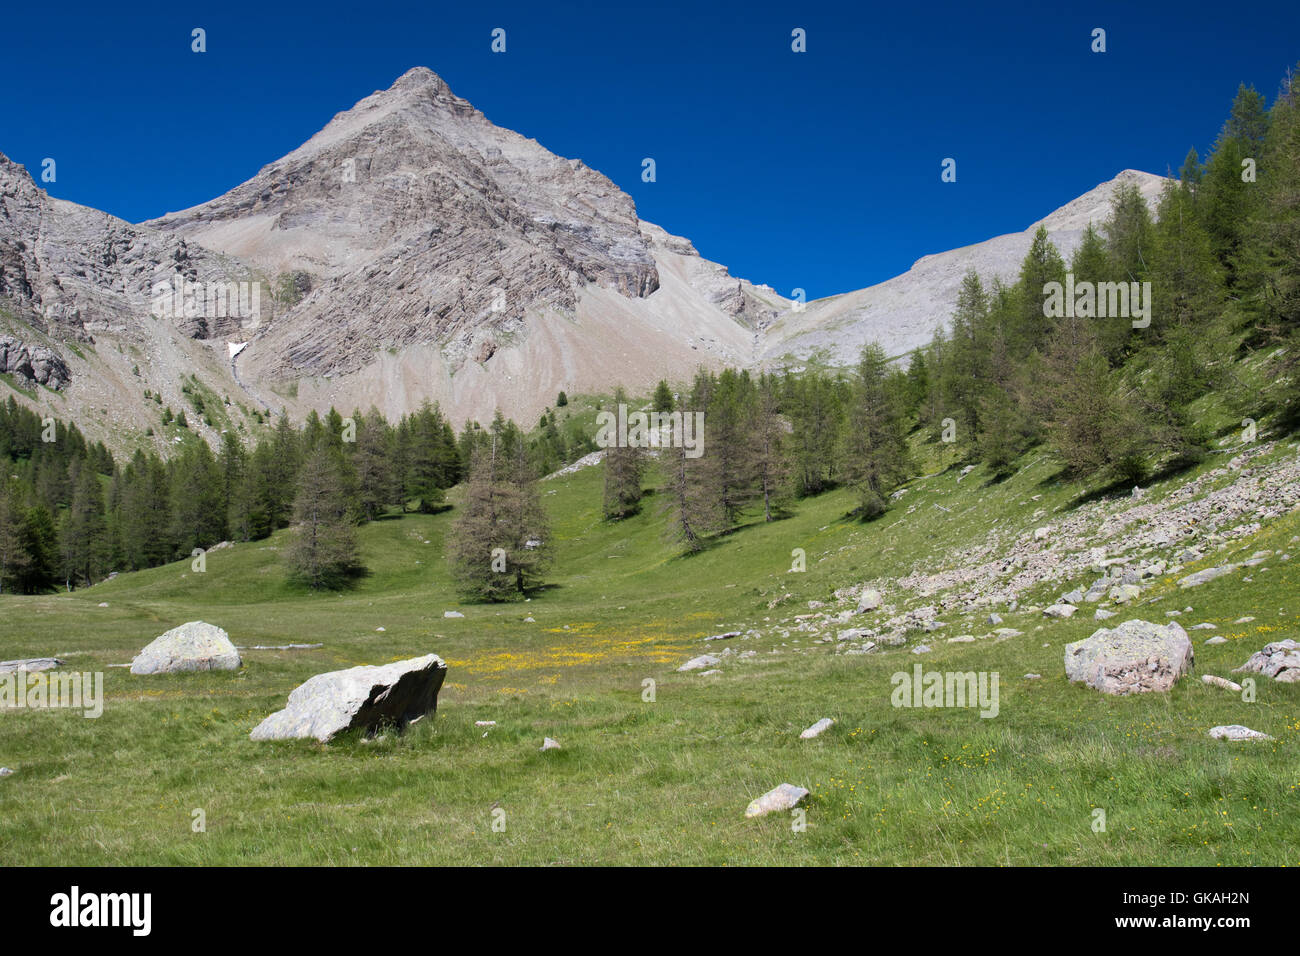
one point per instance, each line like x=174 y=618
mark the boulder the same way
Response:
x=1134 y=657
x=1059 y=610
x=1102 y=614
x=869 y=600
x=1279 y=660
x=549 y=743
x=1237 y=732
x=786 y=796
x=1123 y=593
x=194 y=646
x=1221 y=682
x=366 y=697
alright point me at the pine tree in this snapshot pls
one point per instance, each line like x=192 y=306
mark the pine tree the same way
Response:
x=14 y=559
x=876 y=456
x=500 y=542
x=371 y=459
x=82 y=534
x=324 y=552
x=624 y=466
x=770 y=460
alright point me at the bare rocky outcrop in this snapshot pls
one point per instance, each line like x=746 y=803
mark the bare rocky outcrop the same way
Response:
x=33 y=365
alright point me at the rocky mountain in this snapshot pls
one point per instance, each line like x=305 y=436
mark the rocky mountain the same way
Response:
x=904 y=312
x=410 y=251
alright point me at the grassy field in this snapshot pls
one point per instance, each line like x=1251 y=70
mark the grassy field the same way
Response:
x=648 y=782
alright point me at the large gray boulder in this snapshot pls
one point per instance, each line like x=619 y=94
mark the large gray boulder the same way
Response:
x=1279 y=660
x=365 y=697
x=195 y=646
x=1134 y=657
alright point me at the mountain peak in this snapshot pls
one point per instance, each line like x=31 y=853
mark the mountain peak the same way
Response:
x=419 y=79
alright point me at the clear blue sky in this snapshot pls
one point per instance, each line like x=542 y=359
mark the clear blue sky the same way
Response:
x=818 y=170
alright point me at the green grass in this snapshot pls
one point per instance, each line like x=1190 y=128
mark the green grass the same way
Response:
x=662 y=782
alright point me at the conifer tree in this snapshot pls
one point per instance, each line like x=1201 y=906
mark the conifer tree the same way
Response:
x=624 y=466
x=324 y=551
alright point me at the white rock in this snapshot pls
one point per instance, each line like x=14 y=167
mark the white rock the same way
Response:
x=452 y=614
x=1237 y=732
x=549 y=744
x=1220 y=682
x=786 y=796
x=194 y=646
x=824 y=724
x=699 y=663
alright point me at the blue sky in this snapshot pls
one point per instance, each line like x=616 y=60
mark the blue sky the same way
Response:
x=818 y=170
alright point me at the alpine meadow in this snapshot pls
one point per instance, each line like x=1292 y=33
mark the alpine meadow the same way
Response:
x=416 y=502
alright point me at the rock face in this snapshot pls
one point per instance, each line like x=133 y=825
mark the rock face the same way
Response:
x=1134 y=657
x=420 y=221
x=1279 y=660
x=195 y=646
x=786 y=796
x=35 y=365
x=365 y=697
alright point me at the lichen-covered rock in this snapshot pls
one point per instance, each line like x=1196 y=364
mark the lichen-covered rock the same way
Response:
x=195 y=646
x=1279 y=660
x=366 y=697
x=1134 y=657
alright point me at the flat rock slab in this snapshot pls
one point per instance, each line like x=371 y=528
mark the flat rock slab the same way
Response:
x=1279 y=660
x=786 y=796
x=699 y=663
x=31 y=665
x=821 y=726
x=366 y=697
x=1209 y=574
x=195 y=646
x=1237 y=732
x=1135 y=657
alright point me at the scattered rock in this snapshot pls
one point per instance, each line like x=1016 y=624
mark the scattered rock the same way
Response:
x=1209 y=574
x=824 y=724
x=5 y=771
x=1102 y=614
x=1217 y=640
x=870 y=600
x=365 y=697
x=1220 y=682
x=31 y=664
x=993 y=619
x=783 y=797
x=1279 y=660
x=1134 y=657
x=1033 y=676
x=550 y=744
x=194 y=646
x=1059 y=610
x=724 y=637
x=1237 y=732
x=699 y=663
x=921 y=649
x=452 y=614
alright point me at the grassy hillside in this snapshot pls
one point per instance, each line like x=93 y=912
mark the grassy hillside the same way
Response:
x=665 y=781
